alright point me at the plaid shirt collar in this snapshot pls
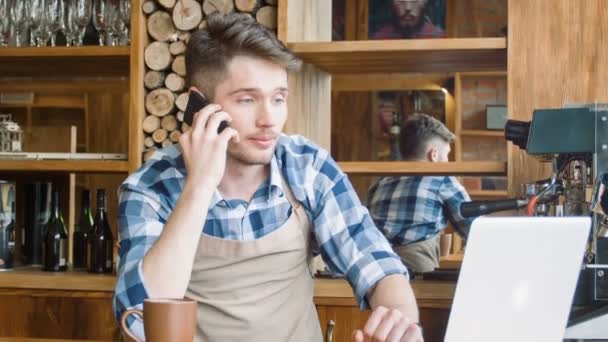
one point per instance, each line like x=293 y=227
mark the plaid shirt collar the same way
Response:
x=275 y=190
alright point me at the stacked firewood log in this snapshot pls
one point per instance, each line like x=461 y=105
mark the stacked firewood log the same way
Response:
x=169 y=25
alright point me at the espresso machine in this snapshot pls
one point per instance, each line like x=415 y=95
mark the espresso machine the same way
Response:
x=574 y=140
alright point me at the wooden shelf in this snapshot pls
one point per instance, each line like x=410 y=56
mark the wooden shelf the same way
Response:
x=488 y=193
x=65 y=61
x=35 y=278
x=93 y=166
x=405 y=55
x=424 y=168
x=50 y=101
x=482 y=133
x=484 y=74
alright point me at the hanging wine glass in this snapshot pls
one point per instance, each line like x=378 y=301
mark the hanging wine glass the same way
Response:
x=115 y=24
x=100 y=20
x=70 y=29
x=55 y=14
x=125 y=15
x=43 y=27
x=81 y=15
x=19 y=19
x=5 y=22
x=33 y=12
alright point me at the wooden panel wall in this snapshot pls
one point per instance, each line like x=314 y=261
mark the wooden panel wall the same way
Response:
x=476 y=18
x=352 y=136
x=310 y=90
x=556 y=56
x=136 y=109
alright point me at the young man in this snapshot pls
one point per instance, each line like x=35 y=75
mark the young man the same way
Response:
x=409 y=21
x=412 y=211
x=230 y=219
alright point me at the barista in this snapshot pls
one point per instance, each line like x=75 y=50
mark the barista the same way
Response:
x=230 y=219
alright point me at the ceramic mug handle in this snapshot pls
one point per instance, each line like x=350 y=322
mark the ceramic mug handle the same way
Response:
x=123 y=322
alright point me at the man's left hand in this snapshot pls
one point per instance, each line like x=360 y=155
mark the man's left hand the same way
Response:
x=389 y=325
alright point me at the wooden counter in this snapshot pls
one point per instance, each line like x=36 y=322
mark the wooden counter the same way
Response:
x=50 y=305
x=431 y=294
x=24 y=339
x=335 y=302
x=337 y=289
x=34 y=278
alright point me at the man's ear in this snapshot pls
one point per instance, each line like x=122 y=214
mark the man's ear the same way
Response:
x=432 y=154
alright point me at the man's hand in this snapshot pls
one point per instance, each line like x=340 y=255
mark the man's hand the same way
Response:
x=389 y=325
x=204 y=150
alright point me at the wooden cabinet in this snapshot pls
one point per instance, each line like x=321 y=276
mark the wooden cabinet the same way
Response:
x=82 y=315
x=96 y=89
x=335 y=303
x=345 y=319
x=75 y=305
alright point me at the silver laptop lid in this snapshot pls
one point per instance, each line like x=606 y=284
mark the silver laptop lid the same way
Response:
x=518 y=278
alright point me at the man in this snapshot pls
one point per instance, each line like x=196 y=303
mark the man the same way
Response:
x=230 y=219
x=409 y=21
x=412 y=211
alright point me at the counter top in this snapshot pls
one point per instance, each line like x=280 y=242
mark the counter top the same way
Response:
x=35 y=278
x=429 y=294
x=337 y=289
x=27 y=339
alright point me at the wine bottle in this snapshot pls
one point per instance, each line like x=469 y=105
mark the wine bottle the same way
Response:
x=395 y=131
x=82 y=231
x=101 y=244
x=55 y=243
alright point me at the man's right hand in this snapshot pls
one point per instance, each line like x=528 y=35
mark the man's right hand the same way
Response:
x=204 y=150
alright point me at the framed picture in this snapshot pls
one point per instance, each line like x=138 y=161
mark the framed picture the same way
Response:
x=337 y=24
x=406 y=19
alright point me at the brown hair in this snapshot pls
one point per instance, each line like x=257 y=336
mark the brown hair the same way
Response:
x=417 y=131
x=226 y=36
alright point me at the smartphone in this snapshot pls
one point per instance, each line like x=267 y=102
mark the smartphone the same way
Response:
x=196 y=102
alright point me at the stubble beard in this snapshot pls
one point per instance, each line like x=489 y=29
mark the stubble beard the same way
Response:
x=243 y=158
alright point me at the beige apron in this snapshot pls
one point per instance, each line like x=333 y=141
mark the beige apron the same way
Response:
x=420 y=257
x=257 y=290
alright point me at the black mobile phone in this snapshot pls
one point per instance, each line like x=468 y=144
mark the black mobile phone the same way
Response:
x=196 y=102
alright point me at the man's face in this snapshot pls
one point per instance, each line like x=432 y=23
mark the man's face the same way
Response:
x=409 y=12
x=255 y=95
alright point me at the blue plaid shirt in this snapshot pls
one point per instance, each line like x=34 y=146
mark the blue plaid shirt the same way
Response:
x=412 y=209
x=344 y=233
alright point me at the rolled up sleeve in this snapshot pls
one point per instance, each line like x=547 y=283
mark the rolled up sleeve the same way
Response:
x=140 y=223
x=349 y=241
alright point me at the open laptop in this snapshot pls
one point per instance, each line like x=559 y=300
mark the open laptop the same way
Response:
x=517 y=279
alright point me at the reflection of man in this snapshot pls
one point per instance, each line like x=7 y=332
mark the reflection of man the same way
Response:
x=409 y=21
x=412 y=211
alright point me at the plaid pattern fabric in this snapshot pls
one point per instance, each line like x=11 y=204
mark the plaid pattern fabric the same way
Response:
x=411 y=209
x=344 y=233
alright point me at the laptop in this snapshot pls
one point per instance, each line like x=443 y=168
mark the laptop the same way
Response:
x=517 y=279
